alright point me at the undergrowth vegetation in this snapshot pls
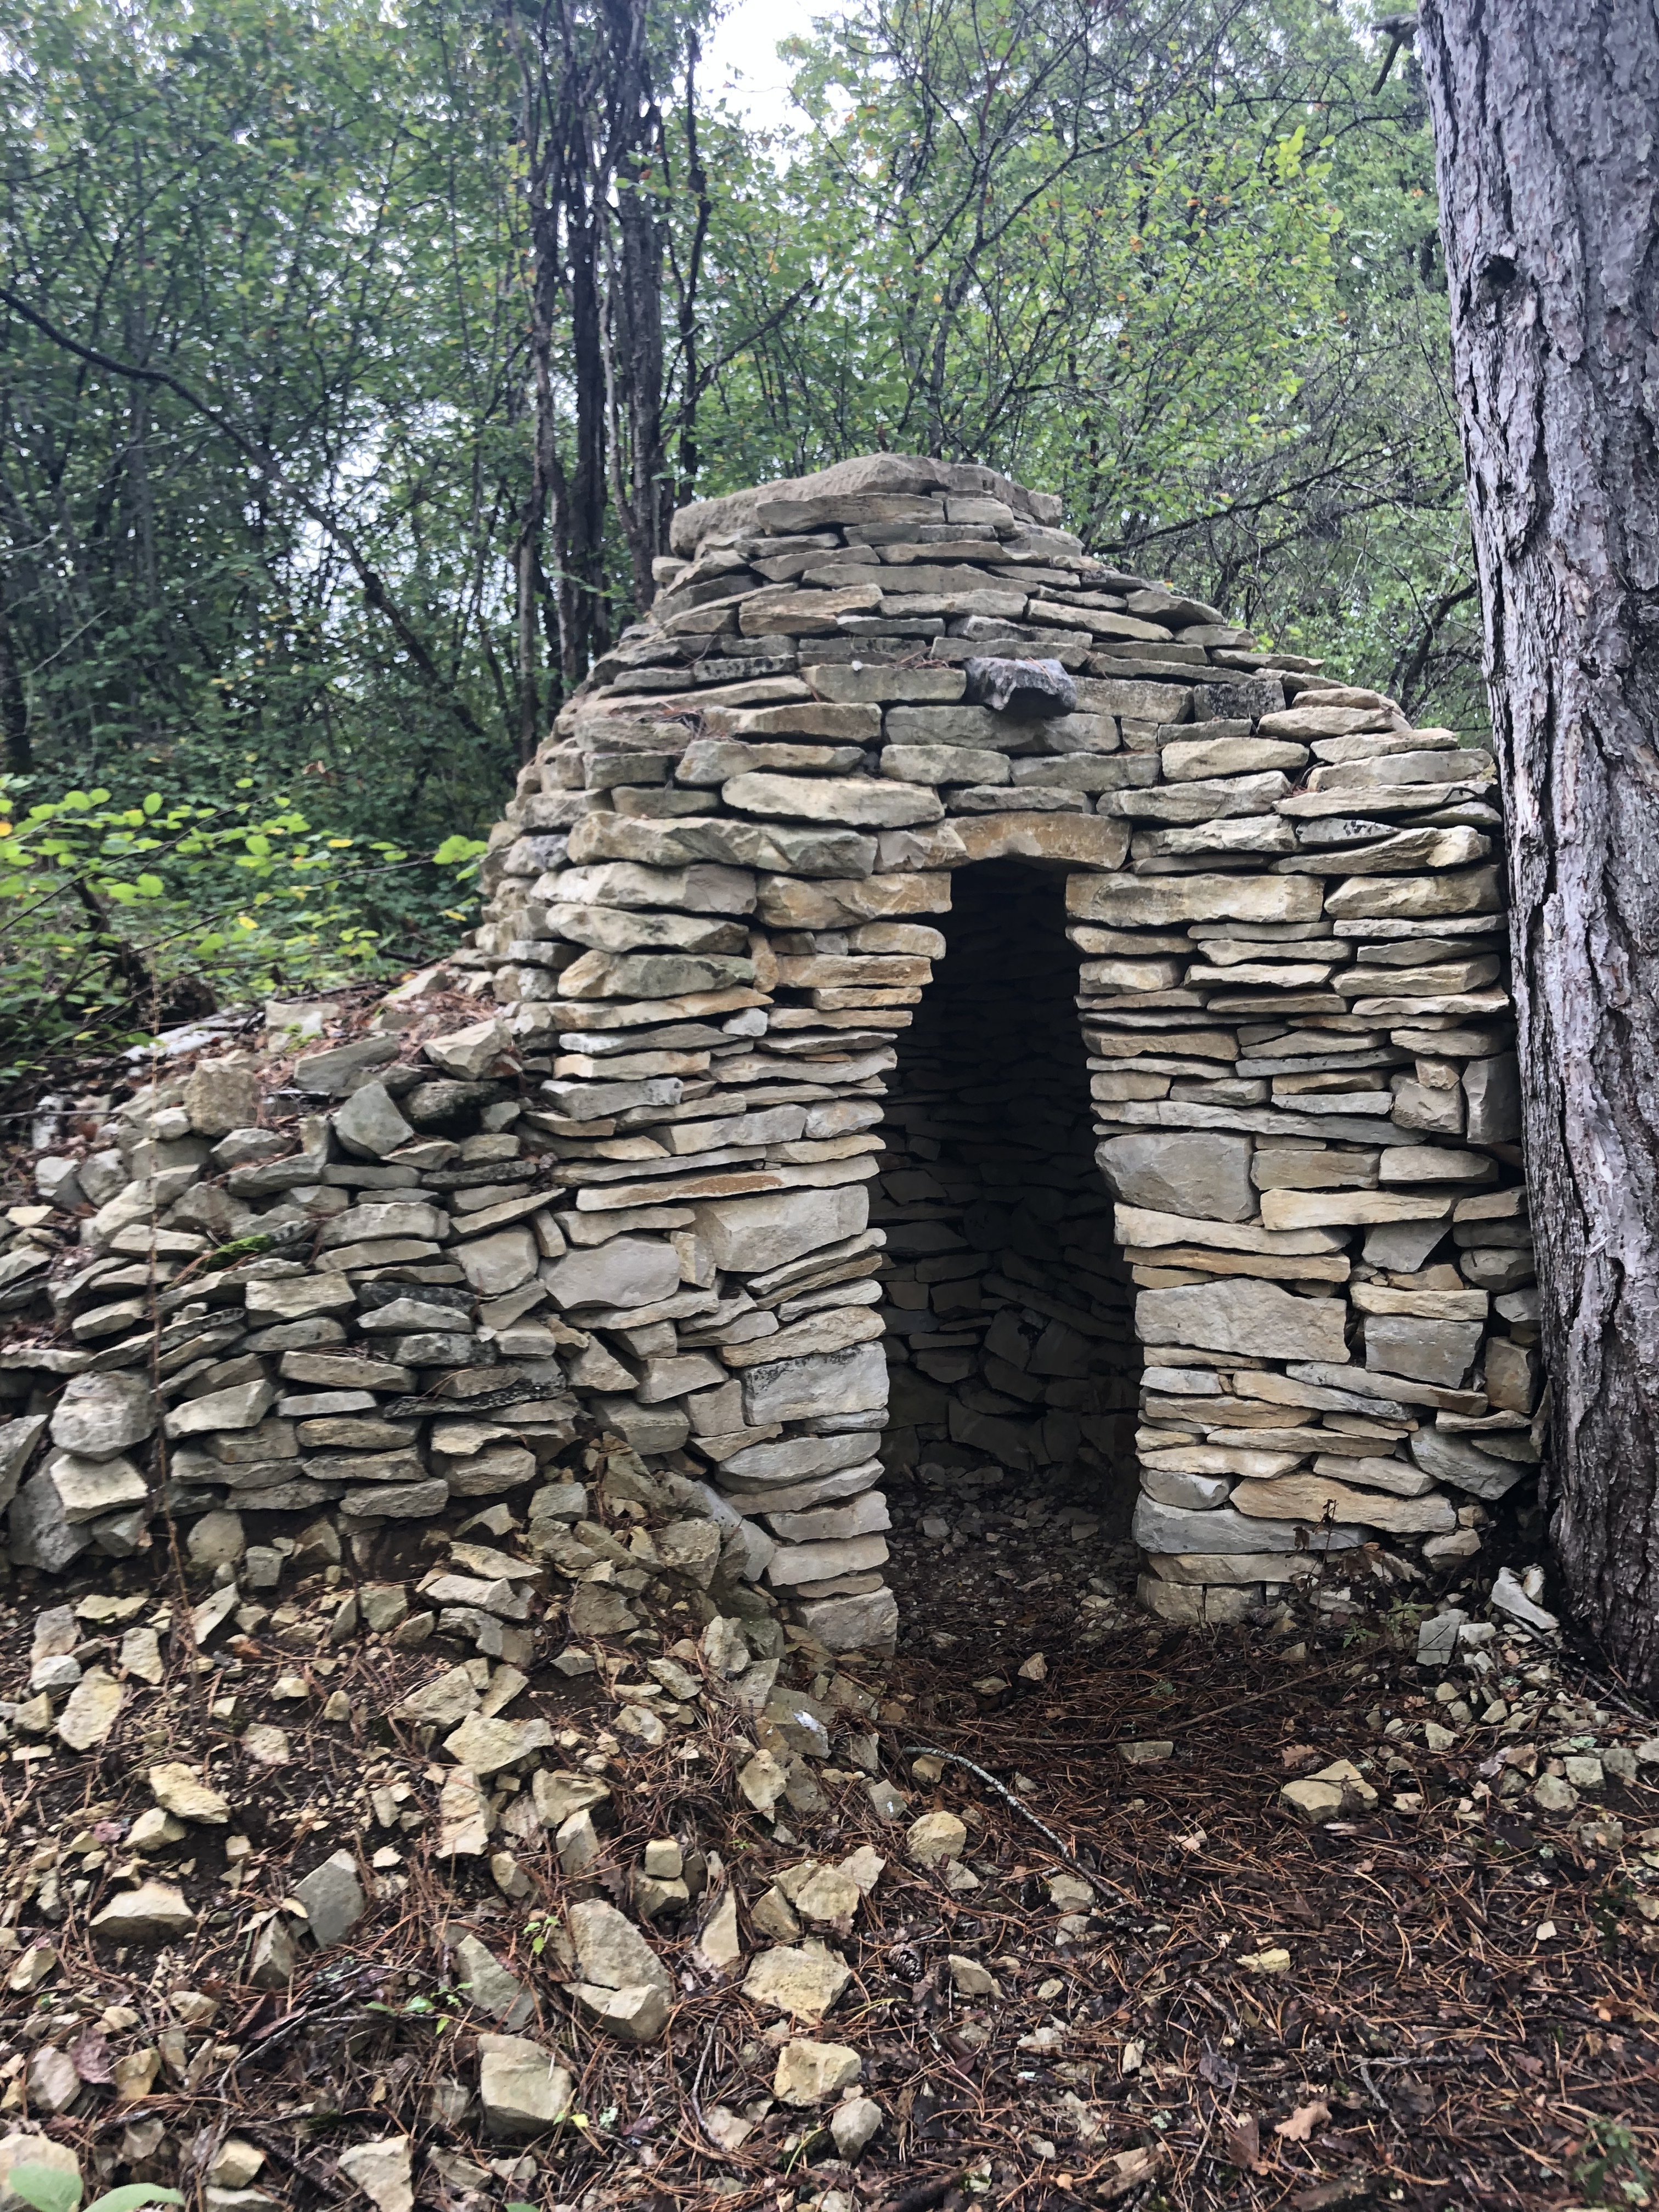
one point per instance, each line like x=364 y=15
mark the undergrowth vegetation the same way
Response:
x=116 y=918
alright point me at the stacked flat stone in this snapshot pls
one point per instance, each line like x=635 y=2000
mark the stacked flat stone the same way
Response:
x=716 y=905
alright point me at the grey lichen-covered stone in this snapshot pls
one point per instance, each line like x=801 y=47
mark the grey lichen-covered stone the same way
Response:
x=41 y=1534
x=87 y=1489
x=1440 y=1352
x=1201 y=1173
x=333 y=1898
x=497 y=1264
x=220 y=1097
x=240 y=1406
x=397 y=1501
x=154 y=1912
x=628 y=1271
x=1031 y=688
x=611 y=1951
x=490 y=1986
x=824 y=1383
x=1458 y=1461
x=100 y=1415
x=467 y=1053
x=333 y=1071
x=1165 y=900
x=369 y=1125
x=749 y=1234
x=857 y=801
x=853 y=2124
x=18 y=1439
x=866 y=1621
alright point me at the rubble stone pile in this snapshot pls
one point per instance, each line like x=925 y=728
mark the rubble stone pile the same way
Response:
x=693 y=1179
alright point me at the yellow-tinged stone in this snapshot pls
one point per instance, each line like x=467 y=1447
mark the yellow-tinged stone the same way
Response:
x=178 y=1789
x=1274 y=1960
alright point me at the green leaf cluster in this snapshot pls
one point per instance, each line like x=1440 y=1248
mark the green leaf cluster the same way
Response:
x=106 y=910
x=49 y=2190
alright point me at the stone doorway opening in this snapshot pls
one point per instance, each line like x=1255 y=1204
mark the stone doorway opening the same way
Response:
x=1010 y=1332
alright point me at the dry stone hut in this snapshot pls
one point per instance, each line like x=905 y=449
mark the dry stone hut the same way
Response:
x=951 y=1006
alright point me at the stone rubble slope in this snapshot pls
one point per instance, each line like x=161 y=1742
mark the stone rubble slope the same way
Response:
x=648 y=1192
x=297 y=1896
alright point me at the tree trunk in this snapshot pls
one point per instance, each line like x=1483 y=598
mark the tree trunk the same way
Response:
x=1546 y=120
x=581 y=553
x=634 y=360
x=14 y=704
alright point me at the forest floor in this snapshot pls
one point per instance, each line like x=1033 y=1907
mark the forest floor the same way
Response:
x=1187 y=1996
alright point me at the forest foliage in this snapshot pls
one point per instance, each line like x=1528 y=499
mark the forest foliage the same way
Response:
x=356 y=355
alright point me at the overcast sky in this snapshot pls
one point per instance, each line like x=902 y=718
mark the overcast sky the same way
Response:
x=741 y=58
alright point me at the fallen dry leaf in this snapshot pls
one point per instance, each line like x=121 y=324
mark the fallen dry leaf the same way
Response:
x=1303 y=2121
x=1240 y=2140
x=89 y=2055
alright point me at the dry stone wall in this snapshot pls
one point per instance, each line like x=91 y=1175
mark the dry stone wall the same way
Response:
x=715 y=1160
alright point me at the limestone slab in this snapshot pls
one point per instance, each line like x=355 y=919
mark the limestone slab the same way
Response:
x=1204 y=1175
x=1454 y=1459
x=696 y=888
x=885 y=687
x=154 y=1912
x=793 y=1565
x=1462 y=891
x=669 y=844
x=937 y=764
x=611 y=1952
x=1157 y=902
x=628 y=1271
x=1432 y=1163
x=787 y=903
x=598 y=975
x=1225 y=1530
x=749 y=1234
x=1310 y=1209
x=1203 y=799
x=1311 y=1498
x=100 y=1415
x=1255 y=1318
x=1077 y=841
x=859 y=802
x=1137 y=1225
x=1198 y=756
x=803 y=1980
x=522 y=2087
x=1371 y=1471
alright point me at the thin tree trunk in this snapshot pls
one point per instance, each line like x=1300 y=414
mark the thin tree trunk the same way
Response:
x=635 y=358
x=582 y=556
x=14 y=704
x=696 y=178
x=1546 y=121
x=529 y=642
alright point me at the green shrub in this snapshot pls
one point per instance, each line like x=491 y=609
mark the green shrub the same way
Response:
x=50 y=2191
x=116 y=917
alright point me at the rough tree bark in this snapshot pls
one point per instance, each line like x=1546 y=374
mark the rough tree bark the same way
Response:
x=1547 y=124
